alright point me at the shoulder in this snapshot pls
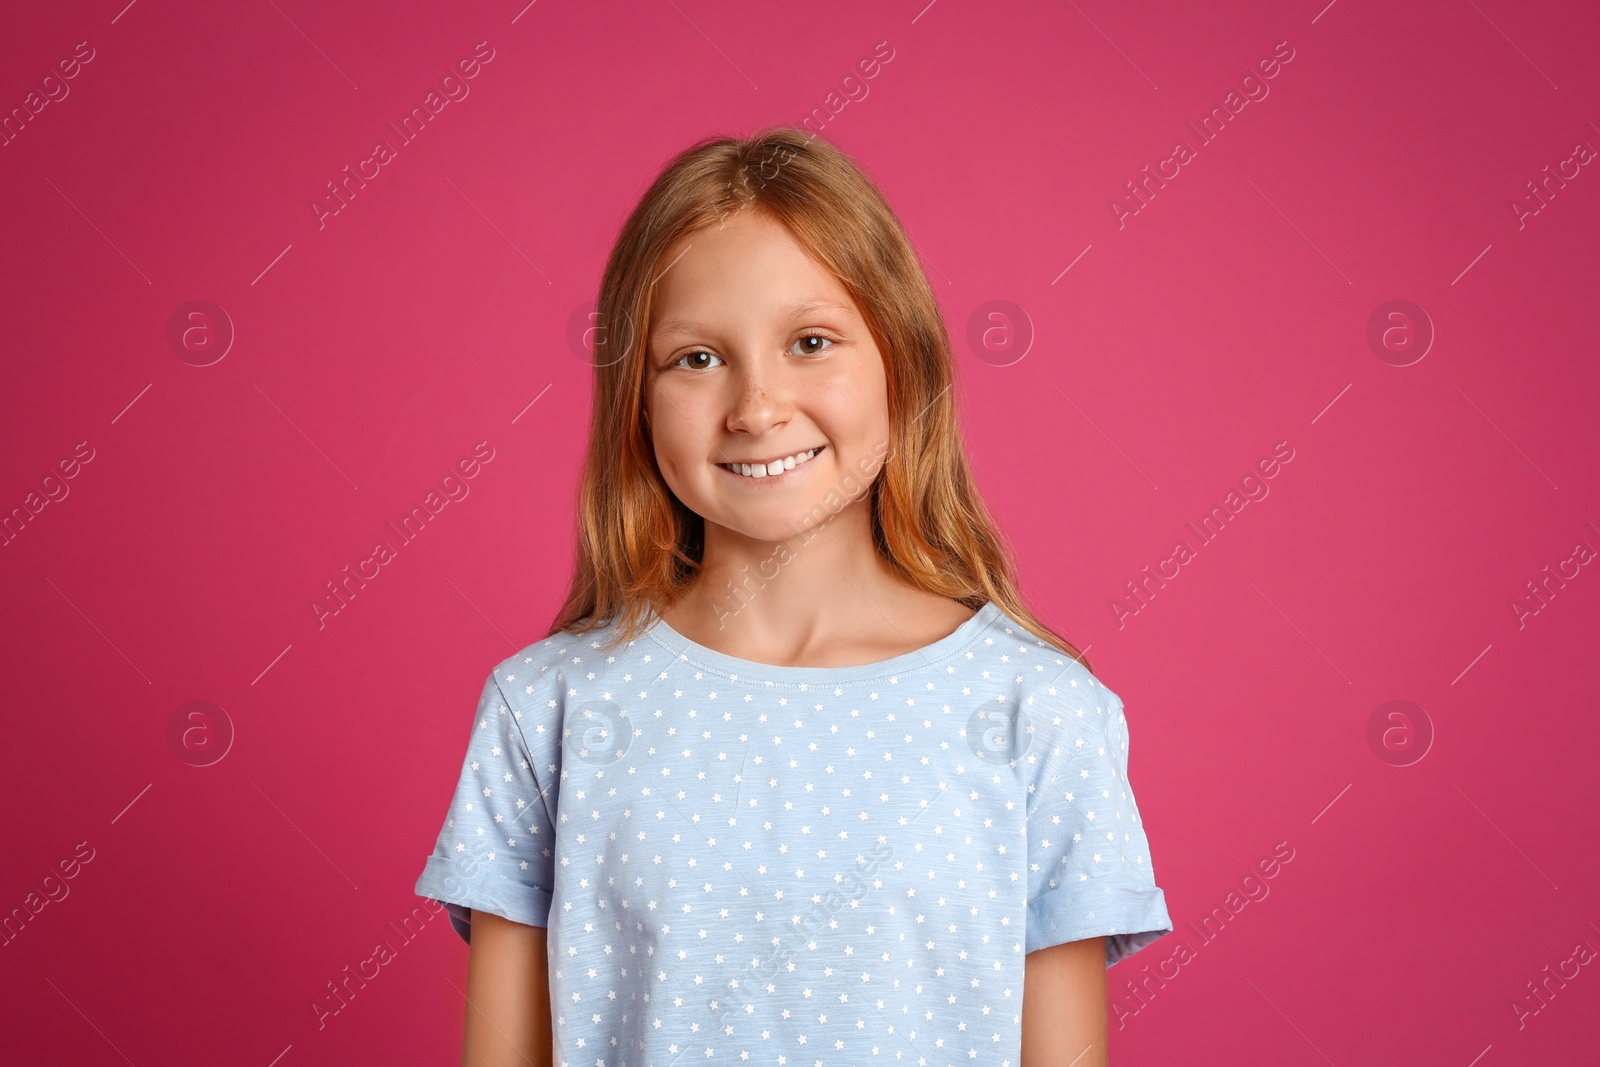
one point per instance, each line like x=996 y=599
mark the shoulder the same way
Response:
x=559 y=690
x=1045 y=675
x=537 y=676
x=1062 y=710
x=535 y=666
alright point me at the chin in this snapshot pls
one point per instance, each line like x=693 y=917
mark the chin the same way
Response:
x=768 y=527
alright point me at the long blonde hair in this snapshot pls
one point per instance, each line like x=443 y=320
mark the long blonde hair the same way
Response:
x=637 y=546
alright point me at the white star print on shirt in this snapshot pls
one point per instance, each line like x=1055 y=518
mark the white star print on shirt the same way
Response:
x=804 y=818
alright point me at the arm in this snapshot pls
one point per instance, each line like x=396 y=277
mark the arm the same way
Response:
x=508 y=995
x=1064 y=1005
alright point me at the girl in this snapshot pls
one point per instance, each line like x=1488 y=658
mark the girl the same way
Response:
x=795 y=777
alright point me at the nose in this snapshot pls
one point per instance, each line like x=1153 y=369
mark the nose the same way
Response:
x=758 y=404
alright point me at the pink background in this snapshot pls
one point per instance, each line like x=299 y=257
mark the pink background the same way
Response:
x=372 y=354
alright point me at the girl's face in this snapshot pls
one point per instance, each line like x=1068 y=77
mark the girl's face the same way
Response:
x=757 y=354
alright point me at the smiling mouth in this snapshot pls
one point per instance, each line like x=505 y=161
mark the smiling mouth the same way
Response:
x=773 y=469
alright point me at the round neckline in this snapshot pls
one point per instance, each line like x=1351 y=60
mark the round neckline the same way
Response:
x=735 y=668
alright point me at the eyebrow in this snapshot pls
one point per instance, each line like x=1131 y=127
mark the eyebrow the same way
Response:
x=793 y=311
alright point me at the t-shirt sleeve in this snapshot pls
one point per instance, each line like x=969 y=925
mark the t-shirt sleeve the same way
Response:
x=1089 y=869
x=496 y=851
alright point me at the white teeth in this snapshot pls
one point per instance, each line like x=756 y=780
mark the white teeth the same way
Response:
x=776 y=467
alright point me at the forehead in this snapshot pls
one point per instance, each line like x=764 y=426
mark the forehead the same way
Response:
x=750 y=266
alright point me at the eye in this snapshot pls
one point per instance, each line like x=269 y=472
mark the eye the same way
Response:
x=691 y=355
x=814 y=337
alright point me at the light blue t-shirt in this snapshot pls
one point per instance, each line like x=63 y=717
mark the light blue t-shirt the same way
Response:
x=797 y=865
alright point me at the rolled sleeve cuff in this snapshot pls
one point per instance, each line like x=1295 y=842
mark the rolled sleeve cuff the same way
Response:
x=524 y=904
x=1128 y=917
